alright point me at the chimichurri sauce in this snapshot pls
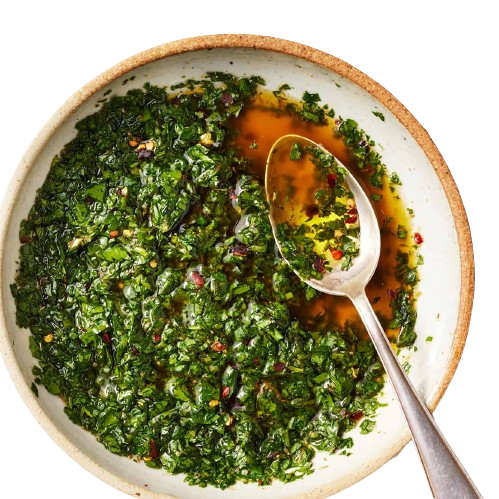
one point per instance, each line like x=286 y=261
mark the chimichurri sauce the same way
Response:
x=159 y=309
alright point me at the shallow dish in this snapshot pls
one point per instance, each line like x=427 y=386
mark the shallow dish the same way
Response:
x=447 y=276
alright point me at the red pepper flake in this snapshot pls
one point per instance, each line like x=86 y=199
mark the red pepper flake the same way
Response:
x=153 y=449
x=156 y=338
x=418 y=238
x=145 y=154
x=239 y=250
x=319 y=265
x=227 y=98
x=279 y=367
x=232 y=194
x=216 y=346
x=256 y=361
x=25 y=239
x=355 y=416
x=114 y=233
x=198 y=279
x=392 y=294
x=352 y=211
x=107 y=338
x=331 y=180
x=351 y=219
x=225 y=392
x=336 y=254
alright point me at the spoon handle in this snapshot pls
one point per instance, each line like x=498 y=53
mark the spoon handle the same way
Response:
x=446 y=475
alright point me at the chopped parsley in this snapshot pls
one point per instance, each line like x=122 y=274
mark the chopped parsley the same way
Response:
x=379 y=115
x=296 y=152
x=280 y=92
x=367 y=426
x=395 y=179
x=401 y=232
x=309 y=109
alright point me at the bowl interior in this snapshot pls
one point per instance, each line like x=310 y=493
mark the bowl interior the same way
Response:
x=438 y=305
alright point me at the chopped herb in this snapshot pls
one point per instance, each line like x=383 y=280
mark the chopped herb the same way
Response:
x=404 y=318
x=308 y=97
x=379 y=115
x=401 y=232
x=367 y=426
x=310 y=110
x=395 y=179
x=126 y=80
x=296 y=152
x=406 y=273
x=279 y=93
x=362 y=150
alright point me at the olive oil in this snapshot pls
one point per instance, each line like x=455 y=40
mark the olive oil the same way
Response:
x=260 y=124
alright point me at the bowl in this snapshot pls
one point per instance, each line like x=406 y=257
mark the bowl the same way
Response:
x=447 y=276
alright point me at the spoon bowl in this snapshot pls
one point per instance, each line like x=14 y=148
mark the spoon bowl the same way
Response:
x=336 y=282
x=283 y=179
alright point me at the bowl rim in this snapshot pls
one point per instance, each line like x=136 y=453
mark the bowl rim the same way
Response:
x=271 y=44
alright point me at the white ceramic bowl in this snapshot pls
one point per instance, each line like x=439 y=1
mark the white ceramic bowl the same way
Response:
x=447 y=276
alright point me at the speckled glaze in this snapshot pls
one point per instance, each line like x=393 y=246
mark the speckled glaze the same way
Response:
x=447 y=277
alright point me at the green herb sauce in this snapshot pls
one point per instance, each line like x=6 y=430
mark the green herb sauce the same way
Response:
x=159 y=310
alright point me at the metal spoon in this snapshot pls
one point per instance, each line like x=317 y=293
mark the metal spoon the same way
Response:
x=446 y=475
